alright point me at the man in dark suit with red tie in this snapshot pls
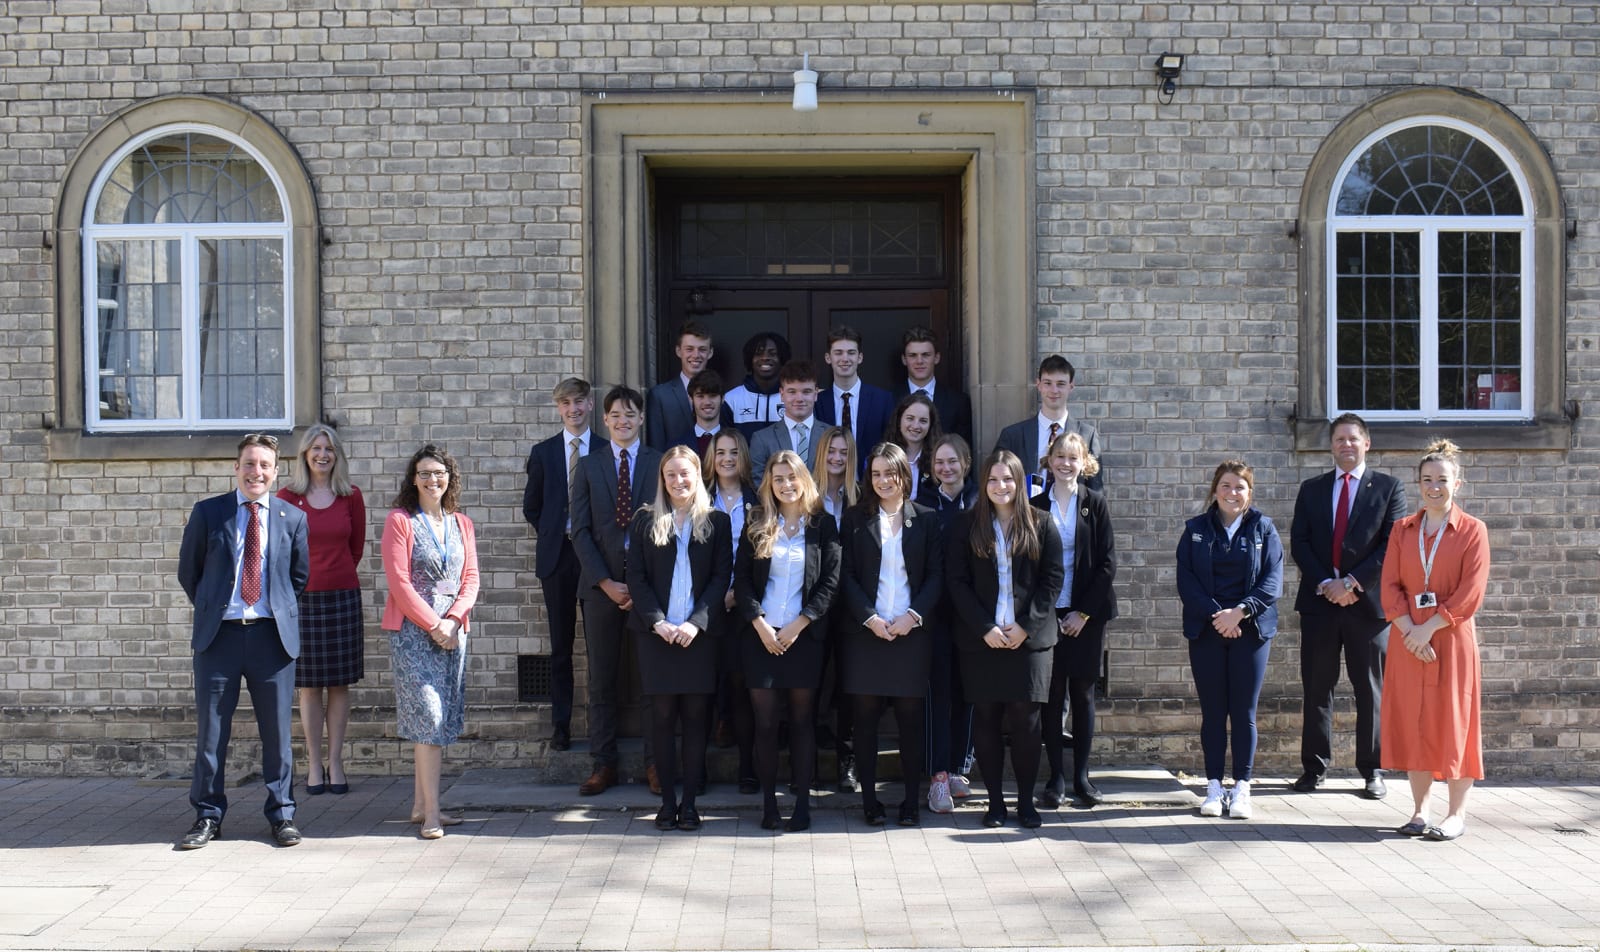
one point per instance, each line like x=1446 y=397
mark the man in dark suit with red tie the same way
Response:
x=243 y=563
x=552 y=468
x=1340 y=533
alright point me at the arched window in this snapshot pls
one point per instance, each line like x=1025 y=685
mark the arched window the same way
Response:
x=1432 y=277
x=1430 y=258
x=186 y=290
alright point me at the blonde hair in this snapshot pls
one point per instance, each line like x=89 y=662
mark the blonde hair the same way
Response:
x=338 y=480
x=1091 y=466
x=819 y=467
x=708 y=464
x=661 y=521
x=762 y=523
x=1441 y=451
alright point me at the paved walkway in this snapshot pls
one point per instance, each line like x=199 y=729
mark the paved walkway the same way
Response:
x=89 y=864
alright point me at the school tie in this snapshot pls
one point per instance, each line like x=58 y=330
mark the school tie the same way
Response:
x=800 y=441
x=624 y=493
x=250 y=580
x=1341 y=519
x=844 y=415
x=1055 y=431
x=701 y=442
x=572 y=461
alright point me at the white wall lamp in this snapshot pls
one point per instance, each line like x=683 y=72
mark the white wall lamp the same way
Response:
x=805 y=86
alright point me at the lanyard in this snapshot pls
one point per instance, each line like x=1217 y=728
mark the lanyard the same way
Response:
x=438 y=543
x=1427 y=558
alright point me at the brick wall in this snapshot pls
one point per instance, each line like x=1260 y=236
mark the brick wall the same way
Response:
x=445 y=144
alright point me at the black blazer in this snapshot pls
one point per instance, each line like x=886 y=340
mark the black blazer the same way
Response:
x=545 y=498
x=1380 y=502
x=1094 y=555
x=975 y=587
x=922 y=544
x=596 y=537
x=821 y=582
x=1022 y=438
x=650 y=568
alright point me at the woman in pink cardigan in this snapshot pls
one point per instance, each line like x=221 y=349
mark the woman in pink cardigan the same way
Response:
x=430 y=558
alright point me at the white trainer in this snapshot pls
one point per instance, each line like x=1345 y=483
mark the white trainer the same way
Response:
x=939 y=800
x=960 y=787
x=1239 y=801
x=1214 y=797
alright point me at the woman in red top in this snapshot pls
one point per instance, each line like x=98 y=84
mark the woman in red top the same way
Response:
x=331 y=636
x=1434 y=577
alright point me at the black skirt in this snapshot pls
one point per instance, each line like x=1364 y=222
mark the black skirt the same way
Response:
x=799 y=667
x=675 y=669
x=1080 y=657
x=331 y=640
x=991 y=675
x=897 y=668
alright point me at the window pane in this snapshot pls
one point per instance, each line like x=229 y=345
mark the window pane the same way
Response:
x=1480 y=321
x=865 y=238
x=1377 y=320
x=186 y=178
x=241 y=329
x=1429 y=170
x=138 y=330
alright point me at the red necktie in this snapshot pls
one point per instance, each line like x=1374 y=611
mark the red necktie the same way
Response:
x=624 y=493
x=702 y=441
x=250 y=580
x=844 y=415
x=1341 y=518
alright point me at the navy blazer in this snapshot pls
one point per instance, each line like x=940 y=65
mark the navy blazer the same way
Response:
x=1094 y=555
x=922 y=546
x=668 y=412
x=650 y=569
x=870 y=413
x=1022 y=438
x=545 y=498
x=206 y=568
x=1197 y=586
x=975 y=588
x=601 y=544
x=817 y=591
x=1380 y=502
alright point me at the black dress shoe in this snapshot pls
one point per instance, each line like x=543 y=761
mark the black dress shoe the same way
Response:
x=1088 y=794
x=874 y=813
x=909 y=814
x=1050 y=798
x=338 y=789
x=1374 y=789
x=749 y=785
x=994 y=817
x=688 y=819
x=799 y=822
x=204 y=831
x=316 y=789
x=667 y=819
x=1308 y=782
x=847 y=775
x=1029 y=818
x=561 y=738
x=285 y=833
x=769 y=819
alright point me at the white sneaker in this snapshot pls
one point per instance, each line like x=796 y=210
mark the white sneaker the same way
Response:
x=960 y=787
x=1214 y=797
x=939 y=800
x=1239 y=801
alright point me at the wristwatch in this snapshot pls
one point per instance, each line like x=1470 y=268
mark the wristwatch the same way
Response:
x=1349 y=583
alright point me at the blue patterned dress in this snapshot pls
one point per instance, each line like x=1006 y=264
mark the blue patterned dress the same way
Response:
x=429 y=682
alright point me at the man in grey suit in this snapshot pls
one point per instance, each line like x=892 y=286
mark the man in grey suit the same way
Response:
x=798 y=430
x=613 y=481
x=1030 y=438
x=243 y=563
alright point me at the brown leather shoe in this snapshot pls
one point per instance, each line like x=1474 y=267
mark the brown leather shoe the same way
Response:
x=653 y=779
x=603 y=779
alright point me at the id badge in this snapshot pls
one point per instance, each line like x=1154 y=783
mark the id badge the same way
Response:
x=1427 y=600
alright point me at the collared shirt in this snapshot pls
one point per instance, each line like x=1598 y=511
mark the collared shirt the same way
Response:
x=583 y=450
x=1066 y=520
x=680 y=598
x=913 y=387
x=1005 y=607
x=237 y=610
x=734 y=509
x=894 y=588
x=855 y=405
x=810 y=423
x=1232 y=527
x=1355 y=484
x=633 y=460
x=781 y=602
x=833 y=505
x=1033 y=466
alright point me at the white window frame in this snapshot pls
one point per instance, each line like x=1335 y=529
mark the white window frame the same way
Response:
x=189 y=235
x=1430 y=227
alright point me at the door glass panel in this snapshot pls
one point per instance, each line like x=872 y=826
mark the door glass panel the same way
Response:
x=876 y=238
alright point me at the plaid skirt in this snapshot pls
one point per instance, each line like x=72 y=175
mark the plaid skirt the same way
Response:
x=331 y=636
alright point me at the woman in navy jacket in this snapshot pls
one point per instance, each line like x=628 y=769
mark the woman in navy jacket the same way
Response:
x=1087 y=602
x=1230 y=574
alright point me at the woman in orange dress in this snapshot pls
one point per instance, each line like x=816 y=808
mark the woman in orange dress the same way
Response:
x=1434 y=577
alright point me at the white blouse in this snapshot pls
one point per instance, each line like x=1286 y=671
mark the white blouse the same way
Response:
x=1066 y=520
x=894 y=588
x=782 y=601
x=680 y=599
x=1005 y=607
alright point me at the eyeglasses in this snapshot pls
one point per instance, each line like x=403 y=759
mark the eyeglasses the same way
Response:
x=432 y=475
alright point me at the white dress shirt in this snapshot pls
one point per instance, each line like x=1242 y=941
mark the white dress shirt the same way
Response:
x=894 y=588
x=785 y=582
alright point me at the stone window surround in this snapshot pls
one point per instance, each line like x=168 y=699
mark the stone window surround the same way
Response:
x=1551 y=426
x=987 y=139
x=66 y=437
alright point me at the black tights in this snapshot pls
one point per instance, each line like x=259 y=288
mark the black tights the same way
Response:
x=909 y=714
x=1080 y=701
x=669 y=711
x=744 y=724
x=1021 y=720
x=767 y=705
